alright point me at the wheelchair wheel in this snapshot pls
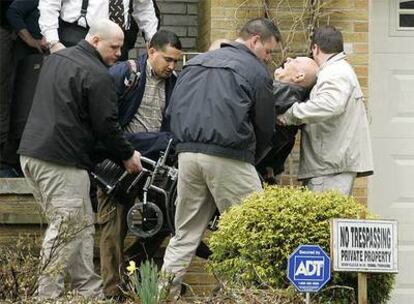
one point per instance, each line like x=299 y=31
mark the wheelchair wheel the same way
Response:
x=145 y=220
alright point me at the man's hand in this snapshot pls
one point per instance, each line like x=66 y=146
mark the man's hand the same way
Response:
x=43 y=43
x=281 y=120
x=34 y=43
x=38 y=44
x=56 y=47
x=133 y=164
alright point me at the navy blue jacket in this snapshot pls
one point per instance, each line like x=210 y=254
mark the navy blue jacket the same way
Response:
x=149 y=144
x=23 y=14
x=4 y=5
x=129 y=104
x=223 y=105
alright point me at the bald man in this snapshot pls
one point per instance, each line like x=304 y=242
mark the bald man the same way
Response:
x=74 y=107
x=293 y=82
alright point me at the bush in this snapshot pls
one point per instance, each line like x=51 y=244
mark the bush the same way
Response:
x=255 y=239
x=18 y=262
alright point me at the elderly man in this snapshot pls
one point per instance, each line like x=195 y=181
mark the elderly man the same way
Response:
x=222 y=114
x=74 y=107
x=293 y=82
x=335 y=144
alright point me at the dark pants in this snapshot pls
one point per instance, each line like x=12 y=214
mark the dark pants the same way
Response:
x=113 y=255
x=28 y=62
x=112 y=219
x=6 y=69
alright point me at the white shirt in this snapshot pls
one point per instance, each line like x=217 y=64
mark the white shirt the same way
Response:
x=69 y=11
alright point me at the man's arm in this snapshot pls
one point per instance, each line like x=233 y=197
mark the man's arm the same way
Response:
x=329 y=101
x=18 y=11
x=16 y=14
x=103 y=114
x=143 y=12
x=49 y=19
x=264 y=118
x=49 y=23
x=119 y=73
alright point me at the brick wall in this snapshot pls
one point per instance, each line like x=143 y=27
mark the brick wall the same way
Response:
x=223 y=18
x=181 y=17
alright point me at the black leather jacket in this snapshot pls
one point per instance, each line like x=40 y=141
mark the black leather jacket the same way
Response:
x=283 y=140
x=74 y=106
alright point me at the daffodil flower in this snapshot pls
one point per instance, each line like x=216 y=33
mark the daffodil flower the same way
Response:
x=132 y=268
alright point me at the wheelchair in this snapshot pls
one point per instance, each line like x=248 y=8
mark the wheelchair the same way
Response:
x=153 y=192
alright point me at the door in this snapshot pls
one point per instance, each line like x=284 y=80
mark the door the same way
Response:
x=391 y=104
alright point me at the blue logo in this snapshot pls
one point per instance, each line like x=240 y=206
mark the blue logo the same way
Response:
x=309 y=268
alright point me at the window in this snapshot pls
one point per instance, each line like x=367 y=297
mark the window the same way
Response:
x=406 y=15
x=401 y=17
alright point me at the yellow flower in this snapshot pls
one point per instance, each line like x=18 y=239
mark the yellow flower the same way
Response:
x=132 y=268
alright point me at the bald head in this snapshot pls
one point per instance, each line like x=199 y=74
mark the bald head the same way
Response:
x=107 y=38
x=105 y=29
x=300 y=71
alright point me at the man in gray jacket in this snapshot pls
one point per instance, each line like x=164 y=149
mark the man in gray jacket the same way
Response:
x=222 y=115
x=336 y=145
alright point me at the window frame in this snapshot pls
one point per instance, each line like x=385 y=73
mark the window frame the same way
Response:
x=395 y=12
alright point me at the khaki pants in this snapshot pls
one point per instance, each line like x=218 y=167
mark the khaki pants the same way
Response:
x=112 y=218
x=204 y=183
x=63 y=195
x=342 y=183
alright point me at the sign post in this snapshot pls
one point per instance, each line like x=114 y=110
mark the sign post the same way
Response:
x=309 y=269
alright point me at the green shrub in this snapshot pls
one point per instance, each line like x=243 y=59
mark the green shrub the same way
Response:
x=255 y=239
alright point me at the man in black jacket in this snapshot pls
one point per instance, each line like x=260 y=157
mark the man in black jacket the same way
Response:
x=294 y=80
x=74 y=107
x=222 y=115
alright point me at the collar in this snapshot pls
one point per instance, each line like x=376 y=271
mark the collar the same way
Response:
x=151 y=73
x=90 y=49
x=332 y=59
x=277 y=85
x=240 y=46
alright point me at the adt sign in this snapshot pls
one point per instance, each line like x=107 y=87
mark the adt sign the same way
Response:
x=309 y=268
